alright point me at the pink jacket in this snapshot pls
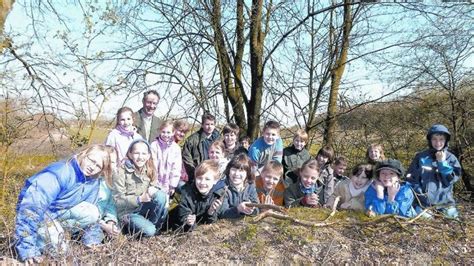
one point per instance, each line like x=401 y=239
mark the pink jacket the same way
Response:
x=168 y=161
x=121 y=142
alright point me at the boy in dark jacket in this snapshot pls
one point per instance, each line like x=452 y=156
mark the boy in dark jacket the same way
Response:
x=195 y=149
x=200 y=200
x=433 y=173
x=295 y=155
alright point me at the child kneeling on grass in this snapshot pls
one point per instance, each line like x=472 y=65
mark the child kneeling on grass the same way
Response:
x=270 y=188
x=307 y=191
x=351 y=191
x=387 y=195
x=61 y=197
x=201 y=200
x=141 y=205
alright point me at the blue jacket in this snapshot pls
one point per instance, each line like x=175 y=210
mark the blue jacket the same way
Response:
x=402 y=205
x=106 y=204
x=261 y=153
x=433 y=181
x=232 y=198
x=60 y=186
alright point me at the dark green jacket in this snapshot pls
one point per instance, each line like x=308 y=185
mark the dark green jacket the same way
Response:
x=155 y=124
x=195 y=150
x=294 y=195
x=293 y=158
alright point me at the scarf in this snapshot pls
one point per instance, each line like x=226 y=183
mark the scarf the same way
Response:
x=307 y=191
x=124 y=132
x=357 y=191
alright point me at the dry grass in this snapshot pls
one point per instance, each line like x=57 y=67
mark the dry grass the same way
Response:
x=354 y=238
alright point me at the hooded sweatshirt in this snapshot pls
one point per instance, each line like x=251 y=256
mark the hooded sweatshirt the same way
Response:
x=433 y=180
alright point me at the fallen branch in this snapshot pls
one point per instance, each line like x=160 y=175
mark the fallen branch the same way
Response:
x=334 y=206
x=282 y=216
x=268 y=206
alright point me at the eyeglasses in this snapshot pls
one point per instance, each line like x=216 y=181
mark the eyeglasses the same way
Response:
x=96 y=164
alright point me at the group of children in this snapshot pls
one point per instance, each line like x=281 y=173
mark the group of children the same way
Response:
x=126 y=185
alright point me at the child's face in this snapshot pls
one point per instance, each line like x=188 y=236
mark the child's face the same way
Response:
x=245 y=144
x=309 y=177
x=299 y=143
x=270 y=135
x=208 y=126
x=237 y=177
x=139 y=154
x=438 y=141
x=205 y=182
x=167 y=133
x=359 y=181
x=340 y=169
x=388 y=177
x=322 y=160
x=270 y=180
x=93 y=163
x=230 y=139
x=180 y=133
x=215 y=153
x=374 y=154
x=125 y=120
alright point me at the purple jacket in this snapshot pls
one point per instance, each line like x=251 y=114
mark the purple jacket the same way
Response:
x=168 y=162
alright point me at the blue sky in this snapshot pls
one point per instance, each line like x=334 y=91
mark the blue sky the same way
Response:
x=365 y=80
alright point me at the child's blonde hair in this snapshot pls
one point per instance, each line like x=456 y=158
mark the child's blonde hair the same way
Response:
x=274 y=167
x=242 y=162
x=150 y=165
x=207 y=166
x=219 y=144
x=181 y=124
x=375 y=146
x=106 y=164
x=166 y=123
x=120 y=111
x=302 y=134
x=311 y=164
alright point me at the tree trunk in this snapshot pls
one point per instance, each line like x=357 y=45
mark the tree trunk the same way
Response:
x=231 y=92
x=256 y=69
x=336 y=76
x=5 y=8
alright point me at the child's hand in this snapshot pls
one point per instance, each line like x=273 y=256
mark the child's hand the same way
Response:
x=110 y=228
x=242 y=208
x=440 y=156
x=378 y=188
x=311 y=199
x=145 y=197
x=191 y=219
x=269 y=200
x=216 y=204
x=392 y=191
